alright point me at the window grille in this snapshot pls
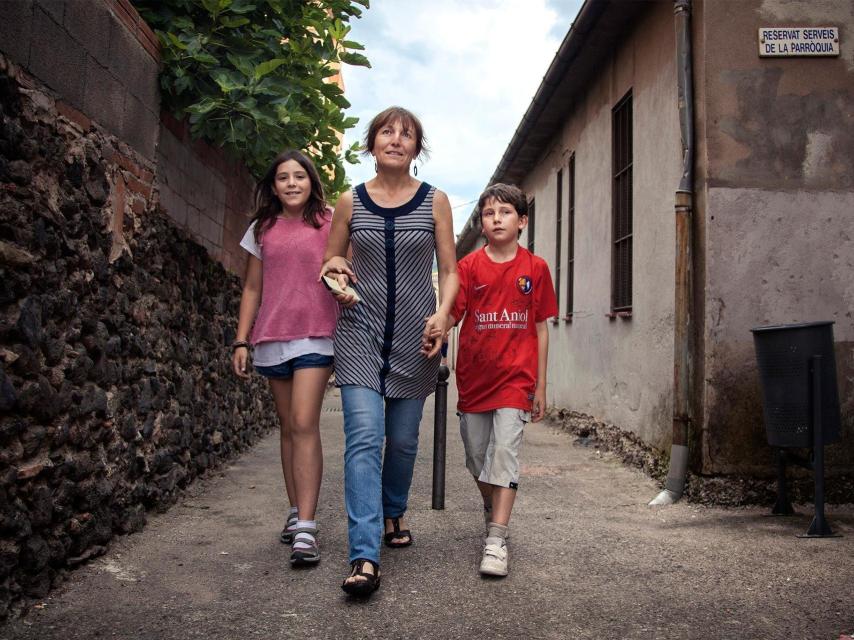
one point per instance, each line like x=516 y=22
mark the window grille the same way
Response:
x=621 y=205
x=570 y=232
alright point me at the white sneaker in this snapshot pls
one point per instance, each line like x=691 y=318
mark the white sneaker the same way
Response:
x=495 y=557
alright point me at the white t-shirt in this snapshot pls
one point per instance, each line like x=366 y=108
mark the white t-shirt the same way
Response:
x=269 y=354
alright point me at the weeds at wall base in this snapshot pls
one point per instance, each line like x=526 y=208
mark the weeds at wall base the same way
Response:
x=720 y=491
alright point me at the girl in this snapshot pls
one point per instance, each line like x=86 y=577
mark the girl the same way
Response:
x=292 y=318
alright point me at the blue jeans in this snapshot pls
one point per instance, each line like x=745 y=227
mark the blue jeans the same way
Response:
x=372 y=490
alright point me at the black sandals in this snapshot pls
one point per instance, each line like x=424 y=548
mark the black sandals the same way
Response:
x=364 y=587
x=287 y=535
x=389 y=538
x=305 y=550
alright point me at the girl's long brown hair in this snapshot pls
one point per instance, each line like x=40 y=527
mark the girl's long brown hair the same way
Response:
x=267 y=204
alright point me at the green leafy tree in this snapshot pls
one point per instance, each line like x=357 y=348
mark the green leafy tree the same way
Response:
x=253 y=75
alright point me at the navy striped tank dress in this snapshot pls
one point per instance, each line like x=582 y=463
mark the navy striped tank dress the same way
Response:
x=377 y=341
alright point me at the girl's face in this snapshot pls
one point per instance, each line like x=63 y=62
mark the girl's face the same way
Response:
x=292 y=186
x=394 y=146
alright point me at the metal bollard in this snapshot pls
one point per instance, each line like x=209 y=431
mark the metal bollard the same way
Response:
x=440 y=428
x=819 y=527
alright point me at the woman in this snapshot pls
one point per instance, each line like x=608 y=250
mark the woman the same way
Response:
x=394 y=224
x=292 y=320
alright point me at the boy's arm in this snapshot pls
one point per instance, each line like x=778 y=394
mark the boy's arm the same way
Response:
x=539 y=407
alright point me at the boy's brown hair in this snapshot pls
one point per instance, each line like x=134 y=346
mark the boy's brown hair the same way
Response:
x=506 y=193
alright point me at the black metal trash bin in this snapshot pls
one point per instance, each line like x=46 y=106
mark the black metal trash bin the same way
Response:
x=783 y=354
x=800 y=402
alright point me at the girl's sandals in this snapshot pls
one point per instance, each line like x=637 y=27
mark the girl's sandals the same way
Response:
x=360 y=582
x=287 y=535
x=392 y=538
x=305 y=550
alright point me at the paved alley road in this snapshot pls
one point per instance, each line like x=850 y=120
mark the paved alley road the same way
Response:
x=588 y=560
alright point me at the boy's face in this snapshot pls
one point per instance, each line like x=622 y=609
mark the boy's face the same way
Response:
x=501 y=223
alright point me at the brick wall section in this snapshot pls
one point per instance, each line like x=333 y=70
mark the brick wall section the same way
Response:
x=125 y=12
x=204 y=192
x=95 y=57
x=101 y=61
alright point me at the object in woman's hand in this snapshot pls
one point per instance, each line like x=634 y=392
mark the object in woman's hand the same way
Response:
x=333 y=285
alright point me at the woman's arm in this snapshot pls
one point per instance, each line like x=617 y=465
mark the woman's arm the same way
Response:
x=438 y=324
x=250 y=300
x=334 y=260
x=335 y=263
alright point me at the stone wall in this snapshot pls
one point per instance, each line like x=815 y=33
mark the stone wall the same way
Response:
x=115 y=388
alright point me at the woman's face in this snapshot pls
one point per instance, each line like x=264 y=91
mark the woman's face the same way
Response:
x=395 y=145
x=292 y=186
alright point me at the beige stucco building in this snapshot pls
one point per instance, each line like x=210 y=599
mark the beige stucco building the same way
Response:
x=767 y=203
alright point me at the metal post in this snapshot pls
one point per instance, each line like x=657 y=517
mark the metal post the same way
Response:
x=783 y=506
x=819 y=528
x=439 y=436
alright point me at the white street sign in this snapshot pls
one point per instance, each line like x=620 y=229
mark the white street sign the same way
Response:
x=798 y=41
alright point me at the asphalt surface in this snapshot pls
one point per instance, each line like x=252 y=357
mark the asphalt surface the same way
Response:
x=589 y=559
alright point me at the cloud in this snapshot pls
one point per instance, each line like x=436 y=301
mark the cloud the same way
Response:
x=468 y=71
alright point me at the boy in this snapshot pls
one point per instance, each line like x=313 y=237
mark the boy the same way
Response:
x=506 y=295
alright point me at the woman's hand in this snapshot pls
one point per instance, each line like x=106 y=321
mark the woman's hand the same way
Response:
x=335 y=266
x=346 y=300
x=435 y=329
x=240 y=362
x=339 y=269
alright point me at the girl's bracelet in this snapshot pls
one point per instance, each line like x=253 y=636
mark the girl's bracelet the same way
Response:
x=239 y=343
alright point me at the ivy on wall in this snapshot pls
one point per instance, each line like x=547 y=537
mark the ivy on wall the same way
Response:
x=253 y=76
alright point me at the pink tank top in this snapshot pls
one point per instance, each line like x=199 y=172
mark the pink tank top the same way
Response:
x=293 y=303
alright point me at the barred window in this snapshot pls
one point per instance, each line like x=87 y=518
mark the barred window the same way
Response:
x=531 y=226
x=621 y=205
x=570 y=240
x=558 y=235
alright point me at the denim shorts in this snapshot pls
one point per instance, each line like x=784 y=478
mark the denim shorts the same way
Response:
x=286 y=369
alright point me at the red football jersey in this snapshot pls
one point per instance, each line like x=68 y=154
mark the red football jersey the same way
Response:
x=502 y=303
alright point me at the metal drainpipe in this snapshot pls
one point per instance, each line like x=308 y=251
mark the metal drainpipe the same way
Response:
x=684 y=205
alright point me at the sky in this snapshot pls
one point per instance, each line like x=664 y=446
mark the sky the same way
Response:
x=467 y=69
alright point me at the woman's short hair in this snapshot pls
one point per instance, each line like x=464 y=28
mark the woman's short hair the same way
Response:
x=406 y=118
